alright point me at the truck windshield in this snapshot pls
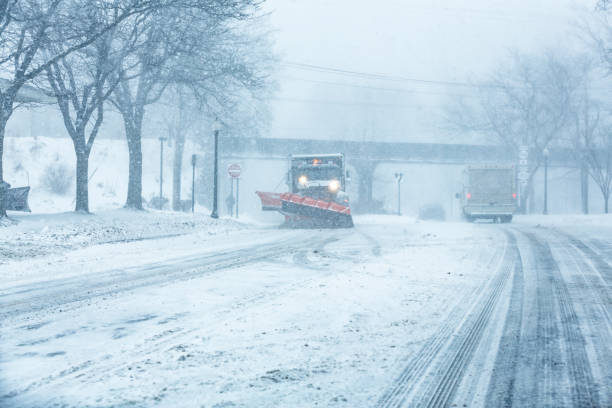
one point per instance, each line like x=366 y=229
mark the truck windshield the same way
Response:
x=318 y=173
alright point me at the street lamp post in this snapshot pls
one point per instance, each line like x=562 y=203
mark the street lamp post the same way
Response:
x=398 y=177
x=161 y=170
x=216 y=128
x=546 y=153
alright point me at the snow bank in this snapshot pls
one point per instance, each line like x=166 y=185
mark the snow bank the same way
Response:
x=27 y=159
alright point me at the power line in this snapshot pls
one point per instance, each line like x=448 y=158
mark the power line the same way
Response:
x=384 y=77
x=341 y=103
x=377 y=88
x=392 y=78
x=488 y=13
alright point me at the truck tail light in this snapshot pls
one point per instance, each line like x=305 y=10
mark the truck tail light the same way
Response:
x=468 y=195
x=514 y=195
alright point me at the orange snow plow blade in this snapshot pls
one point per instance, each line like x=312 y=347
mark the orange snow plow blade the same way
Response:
x=270 y=201
x=307 y=212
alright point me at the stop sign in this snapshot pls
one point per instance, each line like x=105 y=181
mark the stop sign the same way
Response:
x=234 y=170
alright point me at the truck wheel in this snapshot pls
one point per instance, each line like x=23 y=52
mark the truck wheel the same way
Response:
x=507 y=219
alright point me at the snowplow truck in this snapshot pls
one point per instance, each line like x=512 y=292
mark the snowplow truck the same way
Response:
x=489 y=192
x=317 y=193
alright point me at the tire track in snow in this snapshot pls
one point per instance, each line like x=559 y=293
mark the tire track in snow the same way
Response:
x=376 y=249
x=603 y=267
x=79 y=288
x=586 y=259
x=553 y=291
x=502 y=384
x=301 y=258
x=594 y=304
x=603 y=247
x=447 y=378
x=92 y=371
x=432 y=375
x=595 y=298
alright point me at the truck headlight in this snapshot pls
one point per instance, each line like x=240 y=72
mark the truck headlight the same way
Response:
x=334 y=186
x=303 y=180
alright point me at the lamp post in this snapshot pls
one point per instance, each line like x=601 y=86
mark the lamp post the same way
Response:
x=216 y=127
x=161 y=170
x=398 y=177
x=546 y=153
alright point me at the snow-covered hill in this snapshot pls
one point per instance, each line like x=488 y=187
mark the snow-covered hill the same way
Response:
x=26 y=159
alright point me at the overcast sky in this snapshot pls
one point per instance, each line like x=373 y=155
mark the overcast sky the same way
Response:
x=441 y=40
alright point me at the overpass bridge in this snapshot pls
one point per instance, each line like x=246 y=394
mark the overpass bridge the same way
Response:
x=27 y=93
x=364 y=157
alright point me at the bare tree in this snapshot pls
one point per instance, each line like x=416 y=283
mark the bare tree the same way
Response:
x=81 y=83
x=592 y=141
x=180 y=112
x=586 y=123
x=25 y=27
x=597 y=153
x=585 y=120
x=184 y=45
x=524 y=102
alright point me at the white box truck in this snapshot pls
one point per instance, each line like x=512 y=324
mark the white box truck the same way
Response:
x=489 y=192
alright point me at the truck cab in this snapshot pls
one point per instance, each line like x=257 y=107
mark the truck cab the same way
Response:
x=320 y=176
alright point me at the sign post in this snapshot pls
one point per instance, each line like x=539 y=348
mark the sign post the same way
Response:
x=237 y=195
x=234 y=170
x=398 y=178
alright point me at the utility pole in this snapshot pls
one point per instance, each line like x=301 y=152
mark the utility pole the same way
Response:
x=215 y=212
x=161 y=170
x=398 y=178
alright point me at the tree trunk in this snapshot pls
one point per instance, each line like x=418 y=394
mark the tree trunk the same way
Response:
x=606 y=200
x=5 y=113
x=2 y=131
x=82 y=181
x=584 y=188
x=133 y=133
x=134 y=195
x=177 y=168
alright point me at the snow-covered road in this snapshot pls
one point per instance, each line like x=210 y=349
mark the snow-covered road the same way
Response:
x=391 y=313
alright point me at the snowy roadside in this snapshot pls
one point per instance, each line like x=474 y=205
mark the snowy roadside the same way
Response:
x=596 y=227
x=39 y=235
x=565 y=220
